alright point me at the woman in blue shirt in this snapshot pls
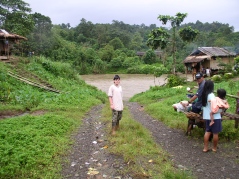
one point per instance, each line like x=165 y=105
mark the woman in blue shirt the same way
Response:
x=207 y=95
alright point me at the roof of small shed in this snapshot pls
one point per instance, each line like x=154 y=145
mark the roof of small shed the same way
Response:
x=192 y=59
x=7 y=35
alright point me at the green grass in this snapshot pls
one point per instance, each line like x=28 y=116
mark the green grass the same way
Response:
x=30 y=146
x=33 y=146
x=135 y=144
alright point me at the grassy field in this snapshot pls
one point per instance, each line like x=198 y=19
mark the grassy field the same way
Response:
x=32 y=146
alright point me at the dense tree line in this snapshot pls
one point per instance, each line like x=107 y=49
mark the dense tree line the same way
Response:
x=98 y=48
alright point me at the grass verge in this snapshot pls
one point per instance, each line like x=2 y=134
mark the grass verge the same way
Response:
x=135 y=144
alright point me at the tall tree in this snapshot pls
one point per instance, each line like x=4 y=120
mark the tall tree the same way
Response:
x=43 y=23
x=136 y=41
x=160 y=38
x=116 y=43
x=40 y=39
x=15 y=17
x=85 y=27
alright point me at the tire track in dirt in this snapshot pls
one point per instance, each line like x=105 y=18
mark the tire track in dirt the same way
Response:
x=88 y=157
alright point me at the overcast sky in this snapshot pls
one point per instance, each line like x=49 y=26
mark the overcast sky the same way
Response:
x=137 y=11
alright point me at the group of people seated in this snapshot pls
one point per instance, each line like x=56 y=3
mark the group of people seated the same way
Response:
x=210 y=107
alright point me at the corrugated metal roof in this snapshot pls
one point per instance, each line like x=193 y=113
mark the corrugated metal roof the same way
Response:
x=213 y=51
x=192 y=59
x=206 y=53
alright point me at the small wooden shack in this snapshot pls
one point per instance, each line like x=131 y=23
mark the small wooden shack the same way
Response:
x=7 y=40
x=208 y=57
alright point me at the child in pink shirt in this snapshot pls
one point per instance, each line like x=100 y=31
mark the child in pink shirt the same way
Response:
x=217 y=103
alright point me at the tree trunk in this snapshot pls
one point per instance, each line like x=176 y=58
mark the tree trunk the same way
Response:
x=174 y=47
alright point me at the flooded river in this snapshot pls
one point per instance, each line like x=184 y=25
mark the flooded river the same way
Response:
x=131 y=83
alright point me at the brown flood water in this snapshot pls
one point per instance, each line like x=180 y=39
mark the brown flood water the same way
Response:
x=131 y=83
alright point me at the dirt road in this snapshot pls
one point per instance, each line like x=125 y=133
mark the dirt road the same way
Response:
x=88 y=154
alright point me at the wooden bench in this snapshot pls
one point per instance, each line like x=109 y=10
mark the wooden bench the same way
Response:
x=196 y=119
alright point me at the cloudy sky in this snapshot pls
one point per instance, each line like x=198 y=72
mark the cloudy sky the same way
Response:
x=137 y=11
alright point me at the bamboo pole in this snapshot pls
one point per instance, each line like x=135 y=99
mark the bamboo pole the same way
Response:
x=31 y=82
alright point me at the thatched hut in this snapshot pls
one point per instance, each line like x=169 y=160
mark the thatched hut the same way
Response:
x=7 y=40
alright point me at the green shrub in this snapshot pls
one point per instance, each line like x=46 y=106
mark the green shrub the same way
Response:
x=150 y=57
x=116 y=63
x=99 y=66
x=130 y=62
x=228 y=68
x=134 y=70
x=59 y=69
x=236 y=59
x=229 y=131
x=158 y=71
x=174 y=80
x=147 y=69
x=5 y=91
x=5 y=87
x=228 y=75
x=216 y=78
x=235 y=73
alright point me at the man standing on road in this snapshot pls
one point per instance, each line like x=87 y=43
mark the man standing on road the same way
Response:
x=116 y=103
